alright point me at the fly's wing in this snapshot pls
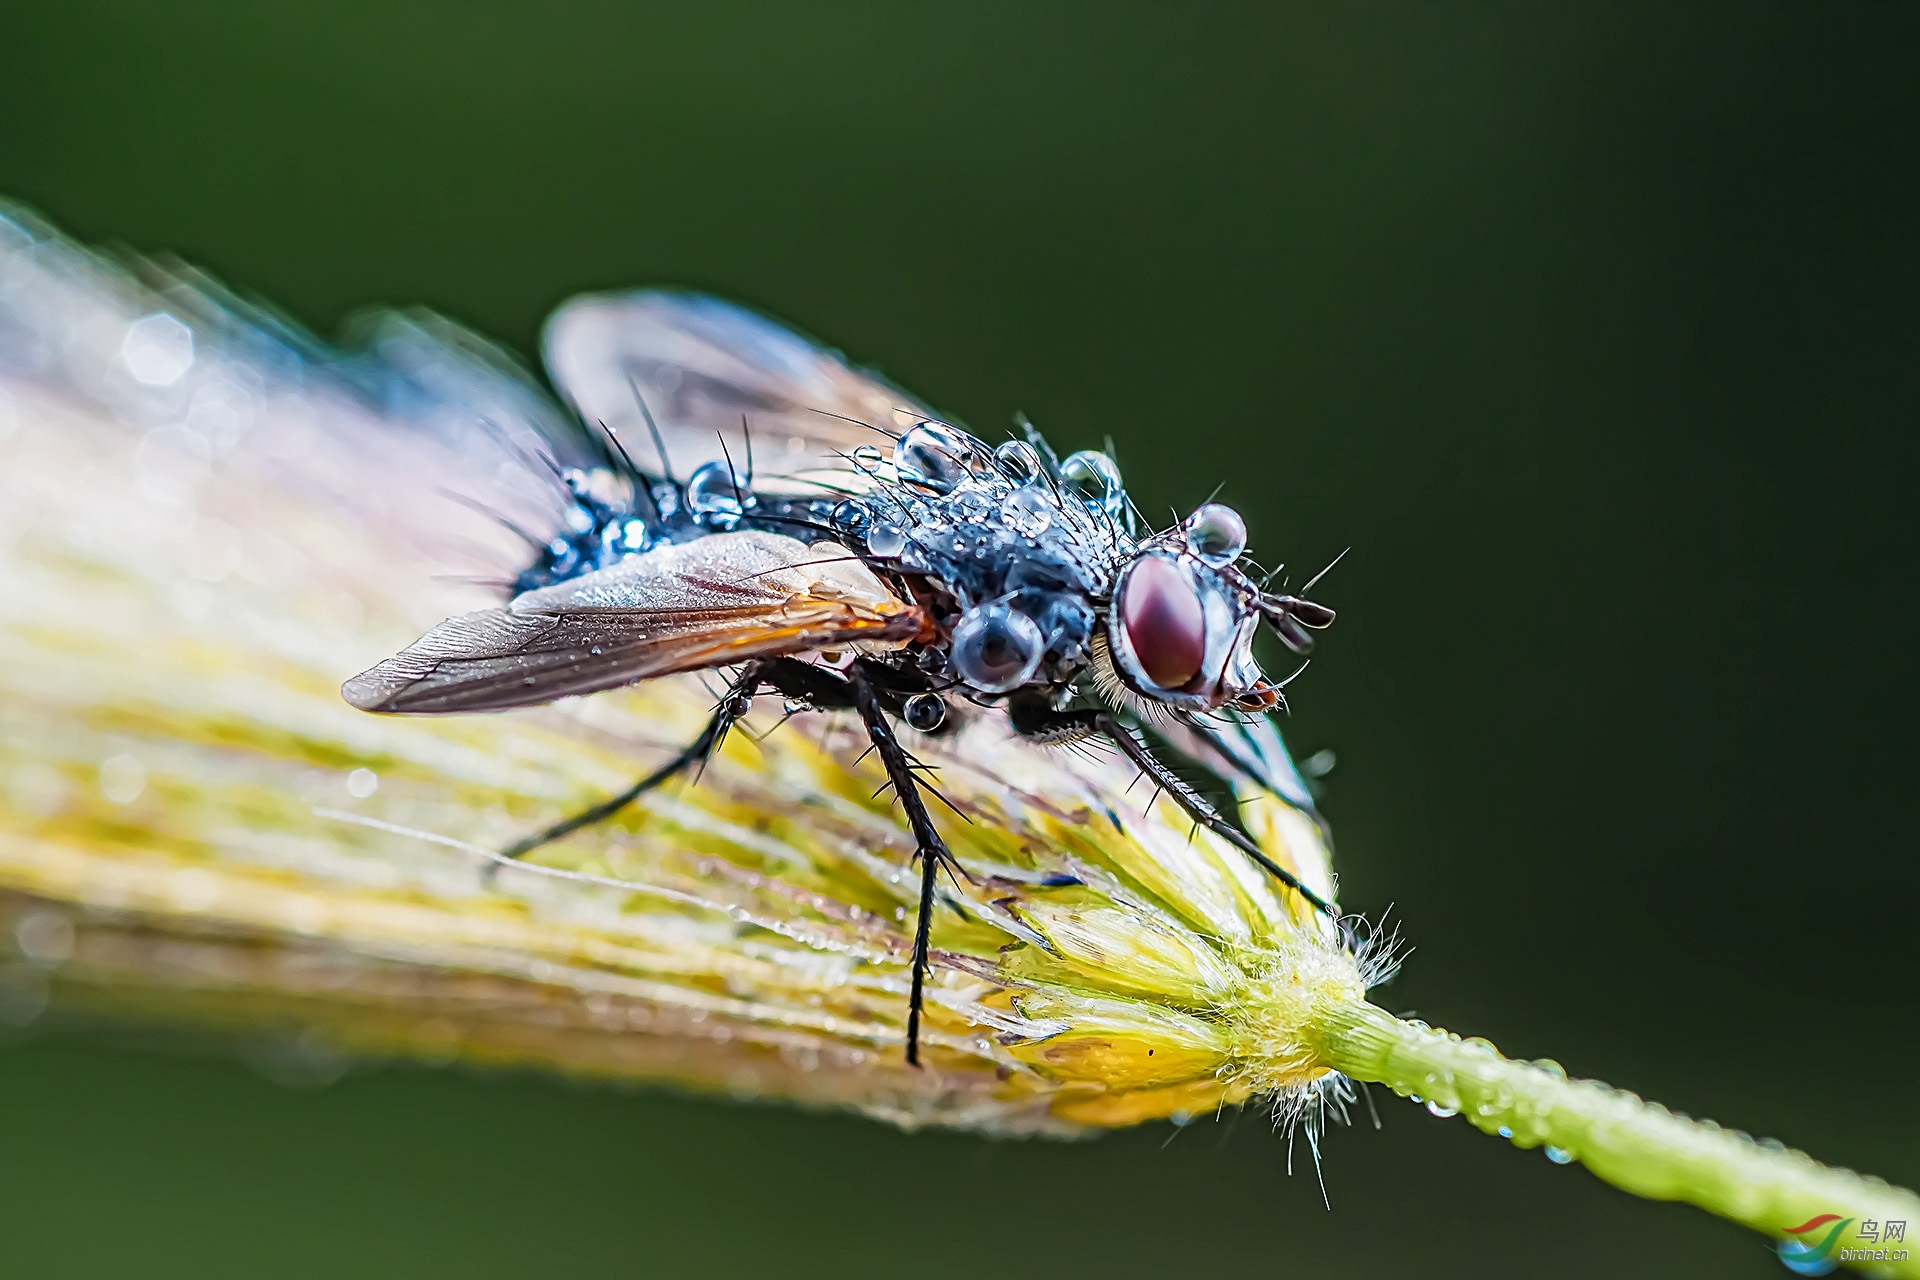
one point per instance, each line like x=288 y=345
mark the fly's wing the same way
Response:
x=700 y=366
x=219 y=386
x=709 y=603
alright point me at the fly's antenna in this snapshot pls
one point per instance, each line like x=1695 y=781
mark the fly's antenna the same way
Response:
x=659 y=444
x=1323 y=573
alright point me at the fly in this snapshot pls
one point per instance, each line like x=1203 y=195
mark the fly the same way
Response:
x=801 y=507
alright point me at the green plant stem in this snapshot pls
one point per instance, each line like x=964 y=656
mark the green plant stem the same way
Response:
x=1638 y=1146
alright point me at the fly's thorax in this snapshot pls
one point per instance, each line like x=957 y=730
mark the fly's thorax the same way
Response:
x=1017 y=550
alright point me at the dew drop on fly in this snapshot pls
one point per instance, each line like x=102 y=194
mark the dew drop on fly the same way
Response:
x=717 y=490
x=1018 y=461
x=996 y=647
x=933 y=459
x=925 y=712
x=1217 y=534
x=852 y=518
x=1095 y=480
x=886 y=541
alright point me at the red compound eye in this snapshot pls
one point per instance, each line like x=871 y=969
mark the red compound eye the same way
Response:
x=1164 y=623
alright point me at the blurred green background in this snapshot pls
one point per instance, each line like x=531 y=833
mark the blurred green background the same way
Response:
x=1591 y=328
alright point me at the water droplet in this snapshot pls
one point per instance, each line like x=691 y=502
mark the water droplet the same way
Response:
x=933 y=458
x=1095 y=480
x=925 y=711
x=1033 y=508
x=362 y=783
x=1018 y=461
x=122 y=779
x=158 y=350
x=867 y=458
x=1551 y=1067
x=996 y=647
x=886 y=541
x=1438 y=1108
x=1217 y=534
x=1559 y=1155
x=971 y=502
x=1504 y=1131
x=717 y=490
x=45 y=938
x=852 y=516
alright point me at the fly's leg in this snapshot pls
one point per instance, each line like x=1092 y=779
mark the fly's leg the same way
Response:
x=737 y=701
x=1042 y=724
x=929 y=847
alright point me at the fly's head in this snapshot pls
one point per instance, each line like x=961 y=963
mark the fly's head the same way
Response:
x=1183 y=616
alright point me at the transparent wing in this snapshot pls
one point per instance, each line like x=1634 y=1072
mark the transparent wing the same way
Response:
x=701 y=366
x=713 y=602
x=219 y=382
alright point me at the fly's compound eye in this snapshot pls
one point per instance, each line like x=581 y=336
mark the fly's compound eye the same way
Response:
x=1217 y=534
x=997 y=648
x=925 y=712
x=1165 y=623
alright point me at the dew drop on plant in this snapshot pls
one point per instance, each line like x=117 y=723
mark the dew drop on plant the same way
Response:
x=1559 y=1155
x=1441 y=1109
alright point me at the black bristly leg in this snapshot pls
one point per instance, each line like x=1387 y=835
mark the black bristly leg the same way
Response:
x=929 y=847
x=1044 y=725
x=733 y=704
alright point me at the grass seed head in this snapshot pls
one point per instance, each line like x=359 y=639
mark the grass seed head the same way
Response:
x=194 y=556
